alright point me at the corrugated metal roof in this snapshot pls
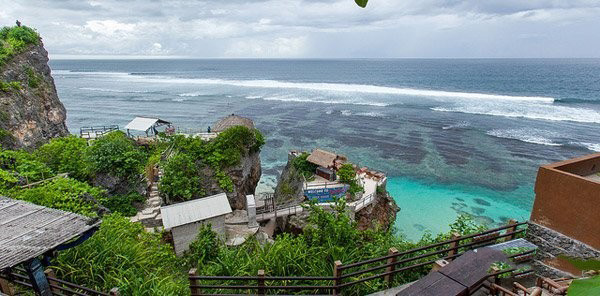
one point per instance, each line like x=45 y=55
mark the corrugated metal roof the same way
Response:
x=143 y=123
x=28 y=230
x=195 y=210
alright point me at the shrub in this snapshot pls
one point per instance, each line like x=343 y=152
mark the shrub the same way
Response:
x=64 y=194
x=66 y=155
x=7 y=179
x=14 y=40
x=123 y=203
x=180 y=179
x=117 y=155
x=347 y=175
x=304 y=167
x=33 y=80
x=121 y=254
x=25 y=165
x=10 y=86
x=205 y=247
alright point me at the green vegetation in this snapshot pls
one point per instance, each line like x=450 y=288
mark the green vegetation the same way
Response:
x=66 y=155
x=225 y=151
x=327 y=237
x=516 y=250
x=13 y=40
x=72 y=155
x=117 y=155
x=180 y=179
x=347 y=175
x=361 y=3
x=33 y=79
x=500 y=266
x=121 y=254
x=10 y=86
x=303 y=167
x=65 y=194
x=585 y=287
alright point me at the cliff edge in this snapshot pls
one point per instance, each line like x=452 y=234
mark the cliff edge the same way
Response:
x=31 y=112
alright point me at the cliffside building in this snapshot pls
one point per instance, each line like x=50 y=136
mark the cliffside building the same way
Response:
x=185 y=219
x=566 y=212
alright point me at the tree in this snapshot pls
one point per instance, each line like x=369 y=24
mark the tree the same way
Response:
x=361 y=3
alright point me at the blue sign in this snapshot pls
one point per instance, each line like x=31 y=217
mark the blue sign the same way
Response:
x=326 y=194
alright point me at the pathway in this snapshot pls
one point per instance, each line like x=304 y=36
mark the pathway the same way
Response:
x=150 y=215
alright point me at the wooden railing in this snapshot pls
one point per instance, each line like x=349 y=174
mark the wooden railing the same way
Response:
x=57 y=286
x=349 y=275
x=93 y=132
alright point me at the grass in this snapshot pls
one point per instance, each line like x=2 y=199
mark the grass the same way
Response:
x=14 y=40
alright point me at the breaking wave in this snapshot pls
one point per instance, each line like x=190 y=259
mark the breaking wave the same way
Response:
x=537 y=112
x=114 y=90
x=533 y=136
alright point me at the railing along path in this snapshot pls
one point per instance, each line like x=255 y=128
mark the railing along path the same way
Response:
x=349 y=275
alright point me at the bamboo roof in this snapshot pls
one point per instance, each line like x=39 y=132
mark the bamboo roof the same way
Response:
x=231 y=121
x=28 y=230
x=322 y=158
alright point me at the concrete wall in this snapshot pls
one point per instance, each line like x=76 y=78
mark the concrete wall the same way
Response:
x=185 y=234
x=568 y=203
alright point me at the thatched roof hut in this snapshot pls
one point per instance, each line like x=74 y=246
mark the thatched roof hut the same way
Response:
x=326 y=159
x=231 y=121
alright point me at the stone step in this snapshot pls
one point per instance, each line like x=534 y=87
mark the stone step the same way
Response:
x=134 y=219
x=155 y=203
x=143 y=217
x=147 y=211
x=159 y=218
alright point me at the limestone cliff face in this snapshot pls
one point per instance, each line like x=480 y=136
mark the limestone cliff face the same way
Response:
x=32 y=114
x=381 y=213
x=245 y=177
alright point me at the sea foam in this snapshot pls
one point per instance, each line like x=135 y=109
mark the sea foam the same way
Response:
x=533 y=136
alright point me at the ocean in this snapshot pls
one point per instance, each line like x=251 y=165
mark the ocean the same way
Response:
x=455 y=136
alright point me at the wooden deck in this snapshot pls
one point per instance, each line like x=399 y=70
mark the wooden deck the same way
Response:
x=461 y=277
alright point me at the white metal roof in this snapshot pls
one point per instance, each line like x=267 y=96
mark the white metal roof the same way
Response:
x=195 y=210
x=143 y=123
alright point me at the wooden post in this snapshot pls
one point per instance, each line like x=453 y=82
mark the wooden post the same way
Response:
x=261 y=282
x=193 y=282
x=337 y=273
x=390 y=277
x=6 y=287
x=114 y=292
x=50 y=274
x=511 y=230
x=453 y=245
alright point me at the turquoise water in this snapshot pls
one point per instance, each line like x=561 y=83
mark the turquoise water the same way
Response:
x=453 y=135
x=431 y=207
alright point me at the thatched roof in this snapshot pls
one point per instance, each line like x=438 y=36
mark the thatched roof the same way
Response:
x=28 y=230
x=322 y=158
x=231 y=121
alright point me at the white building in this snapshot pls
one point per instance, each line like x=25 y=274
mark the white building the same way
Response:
x=185 y=219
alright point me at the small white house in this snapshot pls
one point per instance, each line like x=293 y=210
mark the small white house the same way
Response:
x=185 y=219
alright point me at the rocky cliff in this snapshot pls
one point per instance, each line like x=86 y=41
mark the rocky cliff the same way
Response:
x=245 y=177
x=30 y=112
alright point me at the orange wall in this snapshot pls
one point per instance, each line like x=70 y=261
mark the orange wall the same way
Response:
x=568 y=203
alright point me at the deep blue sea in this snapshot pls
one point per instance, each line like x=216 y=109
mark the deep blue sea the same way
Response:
x=455 y=136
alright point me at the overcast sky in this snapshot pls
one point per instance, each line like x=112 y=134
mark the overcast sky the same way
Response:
x=313 y=28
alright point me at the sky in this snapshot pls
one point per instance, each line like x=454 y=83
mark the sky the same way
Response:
x=312 y=28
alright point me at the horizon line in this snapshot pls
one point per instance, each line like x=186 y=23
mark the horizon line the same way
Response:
x=179 y=57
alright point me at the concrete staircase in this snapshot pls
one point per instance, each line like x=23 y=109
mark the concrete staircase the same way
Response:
x=150 y=215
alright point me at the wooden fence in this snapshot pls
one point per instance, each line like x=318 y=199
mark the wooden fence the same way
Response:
x=348 y=275
x=57 y=286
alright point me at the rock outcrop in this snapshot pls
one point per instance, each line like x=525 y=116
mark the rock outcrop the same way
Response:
x=381 y=213
x=32 y=113
x=245 y=177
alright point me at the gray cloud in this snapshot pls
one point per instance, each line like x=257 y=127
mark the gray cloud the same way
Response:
x=313 y=28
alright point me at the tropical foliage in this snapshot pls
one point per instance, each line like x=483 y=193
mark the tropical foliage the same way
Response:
x=304 y=167
x=14 y=40
x=121 y=254
x=180 y=179
x=347 y=175
x=116 y=154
